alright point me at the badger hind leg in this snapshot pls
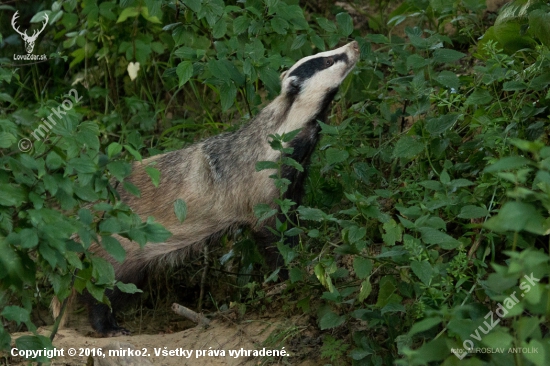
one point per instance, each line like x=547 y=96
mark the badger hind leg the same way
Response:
x=102 y=318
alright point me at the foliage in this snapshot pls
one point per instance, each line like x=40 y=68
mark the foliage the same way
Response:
x=427 y=199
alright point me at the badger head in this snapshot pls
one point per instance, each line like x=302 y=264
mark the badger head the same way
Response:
x=315 y=77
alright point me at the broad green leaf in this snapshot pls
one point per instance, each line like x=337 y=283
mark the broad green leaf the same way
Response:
x=180 y=209
x=345 y=24
x=130 y=12
x=335 y=156
x=472 y=212
x=6 y=140
x=113 y=247
x=423 y=270
x=433 y=236
x=508 y=163
x=16 y=314
x=407 y=147
x=479 y=97
x=184 y=71
x=366 y=289
x=331 y=320
x=362 y=267
x=445 y=56
x=424 y=325
x=517 y=216
x=393 y=232
x=439 y=125
x=128 y=288
x=313 y=214
x=154 y=174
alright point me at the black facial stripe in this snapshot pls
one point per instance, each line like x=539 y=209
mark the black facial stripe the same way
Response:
x=311 y=67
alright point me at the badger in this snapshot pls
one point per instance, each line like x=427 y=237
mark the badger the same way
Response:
x=218 y=181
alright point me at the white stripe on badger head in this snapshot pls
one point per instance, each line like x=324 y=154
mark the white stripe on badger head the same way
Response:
x=320 y=54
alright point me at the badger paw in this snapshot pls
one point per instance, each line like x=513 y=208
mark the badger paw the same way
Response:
x=115 y=332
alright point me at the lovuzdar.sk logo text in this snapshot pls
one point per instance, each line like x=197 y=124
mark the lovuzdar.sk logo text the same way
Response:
x=29 y=40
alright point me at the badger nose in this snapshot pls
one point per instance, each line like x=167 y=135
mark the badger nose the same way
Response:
x=354 y=46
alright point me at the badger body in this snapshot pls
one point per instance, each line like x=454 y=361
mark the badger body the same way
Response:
x=218 y=181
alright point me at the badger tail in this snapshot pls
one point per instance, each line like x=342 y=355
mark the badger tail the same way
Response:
x=60 y=310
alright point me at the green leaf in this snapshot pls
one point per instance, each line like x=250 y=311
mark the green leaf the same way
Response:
x=103 y=271
x=312 y=214
x=362 y=267
x=508 y=163
x=130 y=12
x=345 y=24
x=263 y=165
x=295 y=274
x=445 y=56
x=220 y=28
x=423 y=270
x=184 y=70
x=356 y=233
x=34 y=342
x=479 y=97
x=180 y=209
x=6 y=139
x=539 y=25
x=335 y=156
x=393 y=307
x=517 y=216
x=439 y=125
x=156 y=233
x=113 y=247
x=434 y=236
x=424 y=325
x=29 y=238
x=473 y=212
x=365 y=290
x=16 y=314
x=240 y=24
x=263 y=211
x=119 y=169
x=114 y=149
x=407 y=147
x=154 y=174
x=393 y=232
x=327 y=25
x=228 y=93
x=128 y=288
x=11 y=195
x=331 y=320
x=298 y=42
x=110 y=225
x=82 y=165
x=279 y=25
x=194 y=5
x=131 y=188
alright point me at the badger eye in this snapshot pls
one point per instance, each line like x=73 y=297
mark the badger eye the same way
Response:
x=329 y=62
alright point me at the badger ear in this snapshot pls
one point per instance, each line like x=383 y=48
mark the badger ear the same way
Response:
x=291 y=86
x=283 y=74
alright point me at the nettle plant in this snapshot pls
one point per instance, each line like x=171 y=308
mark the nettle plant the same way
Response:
x=426 y=203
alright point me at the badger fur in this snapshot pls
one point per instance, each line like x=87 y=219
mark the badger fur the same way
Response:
x=218 y=180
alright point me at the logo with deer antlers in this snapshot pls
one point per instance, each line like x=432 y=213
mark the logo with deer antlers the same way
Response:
x=29 y=40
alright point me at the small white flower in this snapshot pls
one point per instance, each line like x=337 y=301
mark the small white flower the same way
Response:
x=133 y=69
